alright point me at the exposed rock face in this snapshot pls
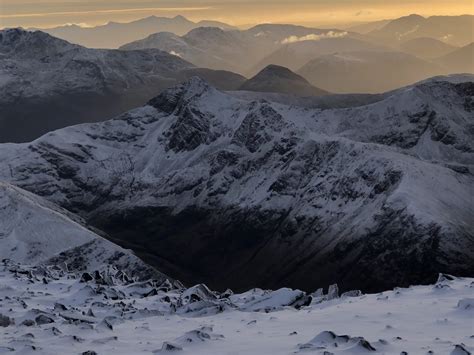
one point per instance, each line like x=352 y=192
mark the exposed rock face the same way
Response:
x=212 y=188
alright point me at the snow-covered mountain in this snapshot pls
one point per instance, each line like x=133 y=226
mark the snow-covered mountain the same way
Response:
x=34 y=231
x=276 y=79
x=367 y=71
x=114 y=34
x=239 y=193
x=47 y=83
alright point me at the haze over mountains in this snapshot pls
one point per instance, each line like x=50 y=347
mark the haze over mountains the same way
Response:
x=94 y=84
x=114 y=34
x=454 y=30
x=348 y=72
x=48 y=83
x=460 y=60
x=299 y=167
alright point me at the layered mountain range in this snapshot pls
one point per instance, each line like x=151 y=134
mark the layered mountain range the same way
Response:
x=454 y=30
x=47 y=83
x=318 y=54
x=239 y=193
x=114 y=34
x=240 y=51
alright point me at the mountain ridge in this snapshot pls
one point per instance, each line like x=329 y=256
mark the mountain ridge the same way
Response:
x=254 y=184
x=114 y=34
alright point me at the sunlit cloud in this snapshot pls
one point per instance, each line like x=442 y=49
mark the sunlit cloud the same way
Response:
x=110 y=11
x=314 y=37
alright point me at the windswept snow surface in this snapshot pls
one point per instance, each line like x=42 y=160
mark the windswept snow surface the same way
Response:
x=50 y=311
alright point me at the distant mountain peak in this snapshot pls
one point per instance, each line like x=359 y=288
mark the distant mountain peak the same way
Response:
x=275 y=78
x=280 y=71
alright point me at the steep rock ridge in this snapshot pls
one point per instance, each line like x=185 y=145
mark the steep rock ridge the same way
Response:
x=212 y=188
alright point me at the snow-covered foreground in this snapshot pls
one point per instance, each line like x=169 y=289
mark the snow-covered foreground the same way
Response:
x=50 y=311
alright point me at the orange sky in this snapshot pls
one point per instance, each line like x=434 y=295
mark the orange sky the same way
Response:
x=46 y=13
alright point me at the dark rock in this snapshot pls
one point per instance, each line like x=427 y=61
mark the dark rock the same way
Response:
x=460 y=349
x=43 y=319
x=28 y=323
x=170 y=347
x=5 y=321
x=86 y=277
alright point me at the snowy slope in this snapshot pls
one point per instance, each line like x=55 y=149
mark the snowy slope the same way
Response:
x=64 y=315
x=34 y=231
x=223 y=190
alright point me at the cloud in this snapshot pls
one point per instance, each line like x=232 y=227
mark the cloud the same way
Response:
x=314 y=37
x=175 y=54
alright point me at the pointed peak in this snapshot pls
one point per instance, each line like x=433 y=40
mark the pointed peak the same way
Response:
x=278 y=71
